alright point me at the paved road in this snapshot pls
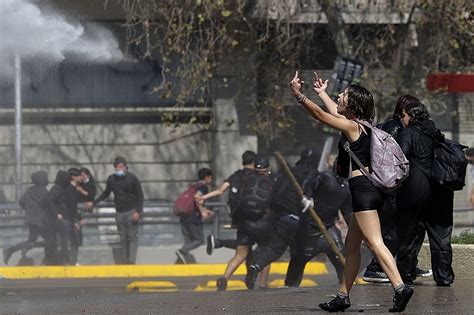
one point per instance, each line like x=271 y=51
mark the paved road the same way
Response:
x=95 y=296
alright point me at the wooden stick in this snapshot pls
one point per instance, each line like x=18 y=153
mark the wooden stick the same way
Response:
x=317 y=219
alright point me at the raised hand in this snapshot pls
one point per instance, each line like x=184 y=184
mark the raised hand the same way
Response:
x=295 y=85
x=319 y=85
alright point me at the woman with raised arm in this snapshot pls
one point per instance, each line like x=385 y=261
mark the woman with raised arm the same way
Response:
x=355 y=104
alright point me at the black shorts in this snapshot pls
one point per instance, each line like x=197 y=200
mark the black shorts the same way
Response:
x=251 y=232
x=365 y=196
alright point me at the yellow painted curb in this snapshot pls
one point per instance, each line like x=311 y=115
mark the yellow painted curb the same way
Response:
x=232 y=285
x=125 y=271
x=152 y=286
x=360 y=281
x=280 y=283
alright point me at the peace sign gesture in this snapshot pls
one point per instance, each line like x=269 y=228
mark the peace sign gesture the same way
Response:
x=319 y=86
x=295 y=85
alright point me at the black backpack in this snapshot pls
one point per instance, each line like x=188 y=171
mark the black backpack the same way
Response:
x=449 y=162
x=253 y=197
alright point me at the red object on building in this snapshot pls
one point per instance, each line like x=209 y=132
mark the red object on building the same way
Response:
x=450 y=82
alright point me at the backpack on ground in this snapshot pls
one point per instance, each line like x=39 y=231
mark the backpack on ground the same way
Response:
x=185 y=203
x=254 y=197
x=389 y=165
x=449 y=161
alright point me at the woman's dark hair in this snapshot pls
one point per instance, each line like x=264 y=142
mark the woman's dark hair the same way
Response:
x=402 y=102
x=85 y=171
x=74 y=172
x=417 y=112
x=360 y=103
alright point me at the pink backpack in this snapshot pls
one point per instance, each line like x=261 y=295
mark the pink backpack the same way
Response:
x=389 y=165
x=185 y=203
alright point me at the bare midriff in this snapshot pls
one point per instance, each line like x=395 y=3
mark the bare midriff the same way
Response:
x=359 y=172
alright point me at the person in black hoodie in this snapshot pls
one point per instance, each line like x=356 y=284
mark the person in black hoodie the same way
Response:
x=419 y=199
x=30 y=202
x=128 y=199
x=68 y=216
x=330 y=194
x=53 y=204
x=387 y=215
x=286 y=205
x=87 y=191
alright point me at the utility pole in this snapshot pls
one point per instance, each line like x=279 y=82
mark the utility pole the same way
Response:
x=18 y=123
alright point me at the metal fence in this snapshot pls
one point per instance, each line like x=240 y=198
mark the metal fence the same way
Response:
x=157 y=227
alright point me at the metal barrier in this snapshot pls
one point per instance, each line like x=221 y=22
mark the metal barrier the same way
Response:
x=101 y=226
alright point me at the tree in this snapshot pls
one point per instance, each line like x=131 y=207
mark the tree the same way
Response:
x=194 y=35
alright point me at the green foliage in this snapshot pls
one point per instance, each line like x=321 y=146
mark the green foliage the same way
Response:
x=464 y=238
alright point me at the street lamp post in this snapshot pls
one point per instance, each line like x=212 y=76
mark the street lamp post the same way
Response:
x=18 y=123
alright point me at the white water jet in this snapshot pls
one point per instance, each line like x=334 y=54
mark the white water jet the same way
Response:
x=32 y=33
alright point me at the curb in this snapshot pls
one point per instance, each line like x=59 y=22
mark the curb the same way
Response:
x=132 y=271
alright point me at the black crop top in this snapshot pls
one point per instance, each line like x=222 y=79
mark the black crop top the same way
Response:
x=360 y=147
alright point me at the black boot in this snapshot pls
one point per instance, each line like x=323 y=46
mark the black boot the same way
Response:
x=251 y=276
x=400 y=300
x=338 y=304
x=221 y=284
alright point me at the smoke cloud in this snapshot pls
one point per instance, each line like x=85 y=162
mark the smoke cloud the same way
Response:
x=31 y=33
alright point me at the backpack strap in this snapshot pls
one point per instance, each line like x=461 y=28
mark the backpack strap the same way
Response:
x=364 y=123
x=347 y=148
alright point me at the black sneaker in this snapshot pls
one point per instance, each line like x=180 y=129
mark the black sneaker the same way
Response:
x=338 y=304
x=423 y=273
x=210 y=244
x=181 y=256
x=251 y=276
x=375 y=276
x=6 y=255
x=400 y=300
x=221 y=284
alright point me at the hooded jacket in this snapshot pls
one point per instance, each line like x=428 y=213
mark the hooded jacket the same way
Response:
x=331 y=194
x=417 y=146
x=54 y=201
x=31 y=199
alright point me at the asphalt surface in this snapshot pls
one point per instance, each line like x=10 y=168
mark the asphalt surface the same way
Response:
x=108 y=296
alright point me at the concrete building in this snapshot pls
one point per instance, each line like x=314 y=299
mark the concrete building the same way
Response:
x=86 y=114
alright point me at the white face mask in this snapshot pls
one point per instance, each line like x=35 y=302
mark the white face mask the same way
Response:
x=120 y=173
x=86 y=180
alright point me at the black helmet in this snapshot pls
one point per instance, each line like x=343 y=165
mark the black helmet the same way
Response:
x=308 y=154
x=261 y=163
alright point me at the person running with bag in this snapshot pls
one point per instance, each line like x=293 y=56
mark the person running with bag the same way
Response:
x=355 y=104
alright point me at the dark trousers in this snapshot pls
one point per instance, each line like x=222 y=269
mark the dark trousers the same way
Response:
x=272 y=246
x=128 y=232
x=34 y=232
x=309 y=242
x=388 y=224
x=193 y=234
x=227 y=243
x=65 y=230
x=413 y=200
x=76 y=242
x=438 y=221
x=50 y=241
